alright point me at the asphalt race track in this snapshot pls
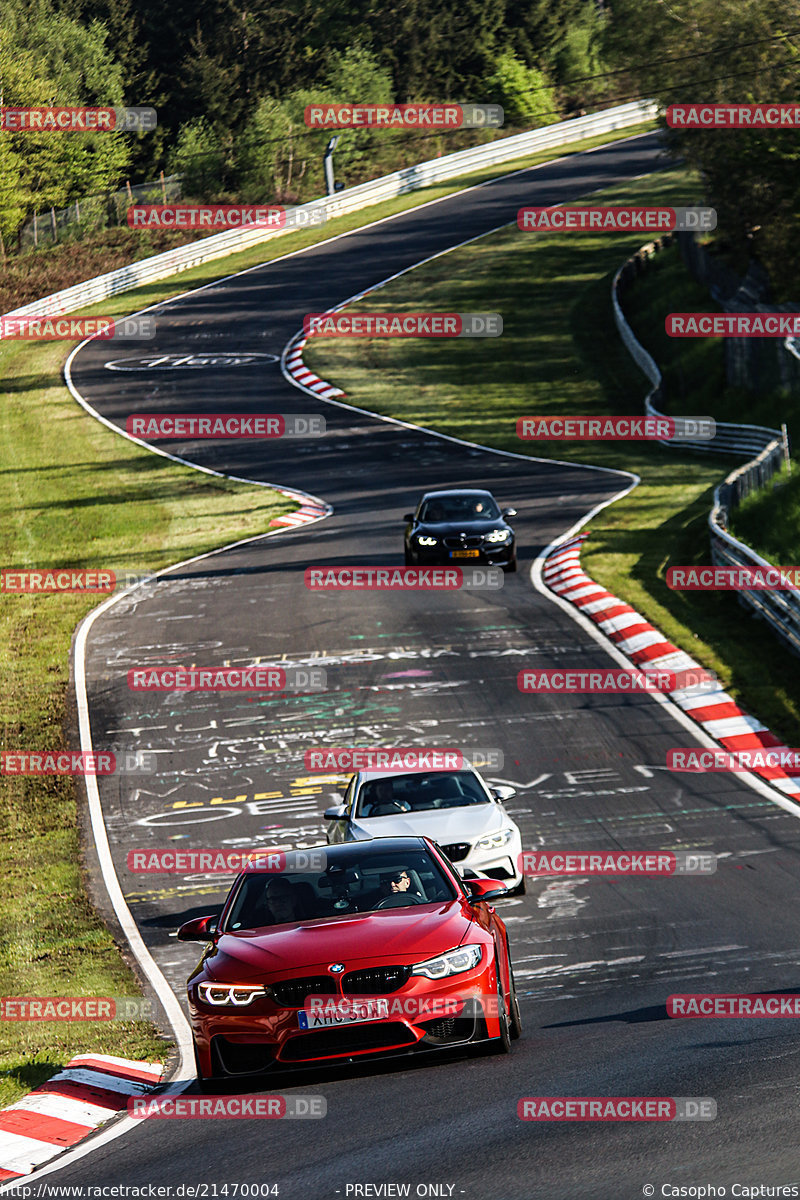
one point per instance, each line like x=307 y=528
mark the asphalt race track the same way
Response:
x=595 y=959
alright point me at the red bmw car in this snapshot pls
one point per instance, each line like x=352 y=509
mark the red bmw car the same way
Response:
x=384 y=951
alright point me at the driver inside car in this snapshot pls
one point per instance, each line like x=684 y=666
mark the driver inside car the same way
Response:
x=382 y=800
x=395 y=883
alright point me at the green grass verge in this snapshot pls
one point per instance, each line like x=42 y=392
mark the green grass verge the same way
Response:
x=74 y=494
x=769 y=520
x=560 y=353
x=694 y=377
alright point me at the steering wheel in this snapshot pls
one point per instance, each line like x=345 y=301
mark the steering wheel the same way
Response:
x=399 y=900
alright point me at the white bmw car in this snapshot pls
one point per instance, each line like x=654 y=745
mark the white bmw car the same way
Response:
x=456 y=809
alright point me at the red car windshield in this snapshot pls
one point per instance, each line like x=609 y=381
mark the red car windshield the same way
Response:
x=357 y=882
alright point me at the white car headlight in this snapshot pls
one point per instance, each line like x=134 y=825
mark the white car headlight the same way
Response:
x=451 y=963
x=493 y=841
x=237 y=995
x=428 y=541
x=498 y=535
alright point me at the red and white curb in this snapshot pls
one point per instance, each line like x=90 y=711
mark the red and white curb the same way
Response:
x=716 y=712
x=90 y=1090
x=300 y=372
x=304 y=515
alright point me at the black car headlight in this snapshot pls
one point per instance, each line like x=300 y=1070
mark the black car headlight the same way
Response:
x=498 y=535
x=423 y=539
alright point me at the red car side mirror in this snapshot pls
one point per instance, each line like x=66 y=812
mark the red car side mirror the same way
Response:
x=484 y=889
x=198 y=930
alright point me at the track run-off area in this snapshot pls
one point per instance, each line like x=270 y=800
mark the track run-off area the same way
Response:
x=595 y=959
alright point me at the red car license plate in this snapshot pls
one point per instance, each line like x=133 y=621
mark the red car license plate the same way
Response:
x=351 y=1012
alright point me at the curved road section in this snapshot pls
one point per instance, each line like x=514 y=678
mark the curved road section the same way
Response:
x=595 y=958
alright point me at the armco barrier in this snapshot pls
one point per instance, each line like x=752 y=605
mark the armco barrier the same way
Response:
x=349 y=200
x=765 y=450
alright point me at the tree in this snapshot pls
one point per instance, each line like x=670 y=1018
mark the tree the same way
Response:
x=524 y=93
x=50 y=59
x=726 y=51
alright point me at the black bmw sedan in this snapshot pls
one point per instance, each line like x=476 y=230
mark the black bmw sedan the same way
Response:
x=463 y=524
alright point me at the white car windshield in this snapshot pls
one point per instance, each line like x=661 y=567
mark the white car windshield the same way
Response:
x=419 y=792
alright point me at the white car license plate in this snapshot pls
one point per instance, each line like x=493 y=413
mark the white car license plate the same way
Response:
x=353 y=1012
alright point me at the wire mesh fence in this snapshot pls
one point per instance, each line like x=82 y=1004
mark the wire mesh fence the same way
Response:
x=102 y=211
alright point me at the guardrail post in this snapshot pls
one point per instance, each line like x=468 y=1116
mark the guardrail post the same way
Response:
x=327 y=166
x=787 y=460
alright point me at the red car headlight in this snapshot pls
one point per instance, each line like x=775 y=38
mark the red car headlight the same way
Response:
x=235 y=995
x=464 y=958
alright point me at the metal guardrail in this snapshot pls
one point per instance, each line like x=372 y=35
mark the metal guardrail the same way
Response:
x=160 y=266
x=768 y=446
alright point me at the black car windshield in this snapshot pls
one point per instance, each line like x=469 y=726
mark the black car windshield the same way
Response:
x=418 y=792
x=357 y=881
x=442 y=509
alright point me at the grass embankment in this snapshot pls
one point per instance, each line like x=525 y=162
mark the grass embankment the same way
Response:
x=74 y=494
x=769 y=520
x=39 y=273
x=560 y=354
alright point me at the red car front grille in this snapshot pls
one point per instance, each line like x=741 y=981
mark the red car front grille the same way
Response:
x=376 y=981
x=350 y=1040
x=291 y=993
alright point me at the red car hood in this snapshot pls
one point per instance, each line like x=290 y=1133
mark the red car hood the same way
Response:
x=393 y=935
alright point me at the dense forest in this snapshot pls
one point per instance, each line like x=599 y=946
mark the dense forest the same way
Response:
x=230 y=80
